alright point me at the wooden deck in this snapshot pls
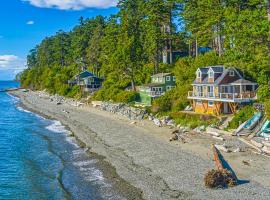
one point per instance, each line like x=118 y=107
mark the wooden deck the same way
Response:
x=224 y=97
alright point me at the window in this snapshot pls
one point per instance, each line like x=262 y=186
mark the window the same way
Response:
x=210 y=91
x=210 y=103
x=168 y=78
x=199 y=74
x=211 y=74
x=231 y=73
x=168 y=88
x=174 y=78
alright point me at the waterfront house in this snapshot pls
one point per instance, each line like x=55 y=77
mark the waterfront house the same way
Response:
x=88 y=81
x=219 y=90
x=160 y=83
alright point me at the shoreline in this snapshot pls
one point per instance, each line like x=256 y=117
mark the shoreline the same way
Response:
x=139 y=153
x=109 y=172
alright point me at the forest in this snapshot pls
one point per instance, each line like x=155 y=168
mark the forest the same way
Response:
x=126 y=48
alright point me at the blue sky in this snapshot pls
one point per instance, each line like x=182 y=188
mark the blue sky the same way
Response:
x=24 y=23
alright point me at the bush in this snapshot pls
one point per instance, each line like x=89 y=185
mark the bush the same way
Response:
x=267 y=108
x=243 y=115
x=126 y=96
x=193 y=120
x=115 y=94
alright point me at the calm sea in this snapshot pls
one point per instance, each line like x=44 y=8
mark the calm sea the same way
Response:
x=39 y=161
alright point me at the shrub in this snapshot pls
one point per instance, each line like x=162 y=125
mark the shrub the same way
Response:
x=267 y=108
x=193 y=120
x=243 y=115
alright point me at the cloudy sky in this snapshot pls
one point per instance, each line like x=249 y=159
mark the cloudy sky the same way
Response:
x=24 y=23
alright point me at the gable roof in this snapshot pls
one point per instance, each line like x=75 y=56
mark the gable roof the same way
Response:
x=219 y=70
x=243 y=82
x=161 y=75
x=84 y=74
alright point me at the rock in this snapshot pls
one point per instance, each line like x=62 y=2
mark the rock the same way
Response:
x=174 y=137
x=150 y=118
x=266 y=150
x=237 y=150
x=186 y=129
x=246 y=163
x=266 y=143
x=124 y=110
x=170 y=123
x=157 y=122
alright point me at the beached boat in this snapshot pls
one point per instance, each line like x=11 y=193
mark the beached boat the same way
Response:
x=265 y=130
x=240 y=128
x=253 y=121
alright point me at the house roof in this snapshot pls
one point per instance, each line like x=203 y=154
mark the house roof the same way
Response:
x=217 y=69
x=220 y=70
x=204 y=70
x=85 y=74
x=153 y=85
x=161 y=75
x=243 y=82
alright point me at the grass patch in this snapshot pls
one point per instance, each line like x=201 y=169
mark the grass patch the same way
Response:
x=243 y=115
x=193 y=121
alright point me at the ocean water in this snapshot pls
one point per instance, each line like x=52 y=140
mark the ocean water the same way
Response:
x=38 y=160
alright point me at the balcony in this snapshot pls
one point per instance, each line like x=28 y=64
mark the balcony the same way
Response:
x=225 y=97
x=156 y=93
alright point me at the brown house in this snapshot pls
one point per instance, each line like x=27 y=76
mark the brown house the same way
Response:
x=219 y=90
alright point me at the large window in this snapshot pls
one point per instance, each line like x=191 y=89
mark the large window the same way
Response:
x=168 y=78
x=210 y=91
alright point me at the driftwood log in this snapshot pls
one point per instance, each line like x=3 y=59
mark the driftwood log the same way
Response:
x=220 y=177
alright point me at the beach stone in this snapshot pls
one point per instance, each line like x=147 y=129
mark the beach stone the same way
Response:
x=124 y=110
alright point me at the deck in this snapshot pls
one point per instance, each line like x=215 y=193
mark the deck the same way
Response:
x=244 y=97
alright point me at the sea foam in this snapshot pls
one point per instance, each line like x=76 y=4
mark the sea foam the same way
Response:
x=57 y=127
x=23 y=110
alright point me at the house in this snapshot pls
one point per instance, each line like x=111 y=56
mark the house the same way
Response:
x=160 y=83
x=219 y=90
x=87 y=81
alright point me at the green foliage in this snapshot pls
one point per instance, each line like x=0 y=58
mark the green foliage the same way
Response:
x=243 y=115
x=115 y=95
x=126 y=48
x=193 y=121
x=267 y=108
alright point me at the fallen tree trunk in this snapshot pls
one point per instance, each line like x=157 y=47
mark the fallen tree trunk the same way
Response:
x=220 y=177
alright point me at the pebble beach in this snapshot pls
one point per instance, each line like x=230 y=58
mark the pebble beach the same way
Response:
x=142 y=155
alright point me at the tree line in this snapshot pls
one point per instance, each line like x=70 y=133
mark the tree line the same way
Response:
x=127 y=48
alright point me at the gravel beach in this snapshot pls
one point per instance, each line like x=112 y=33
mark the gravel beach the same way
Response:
x=143 y=156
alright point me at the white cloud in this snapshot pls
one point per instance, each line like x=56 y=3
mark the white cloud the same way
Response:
x=73 y=4
x=12 y=62
x=30 y=22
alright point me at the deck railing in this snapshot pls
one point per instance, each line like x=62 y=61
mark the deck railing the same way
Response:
x=156 y=93
x=226 y=96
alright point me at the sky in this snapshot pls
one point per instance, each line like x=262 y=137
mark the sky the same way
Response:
x=24 y=23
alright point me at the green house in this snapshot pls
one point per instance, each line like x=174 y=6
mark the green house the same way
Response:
x=160 y=83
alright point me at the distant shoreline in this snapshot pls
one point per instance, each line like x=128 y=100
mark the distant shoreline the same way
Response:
x=142 y=155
